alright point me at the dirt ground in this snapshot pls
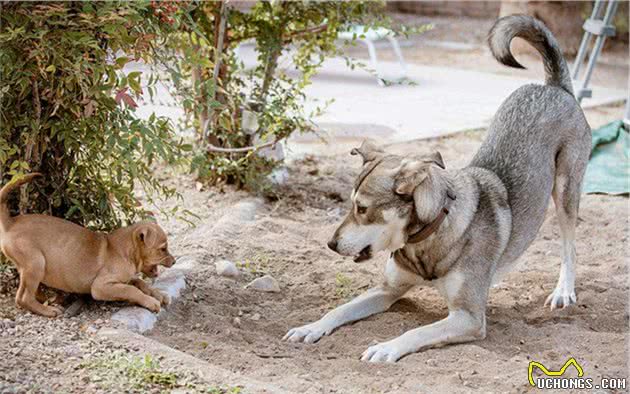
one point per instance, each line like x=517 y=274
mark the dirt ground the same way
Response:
x=219 y=321
x=223 y=323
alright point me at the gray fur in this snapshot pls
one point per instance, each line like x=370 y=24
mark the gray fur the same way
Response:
x=537 y=147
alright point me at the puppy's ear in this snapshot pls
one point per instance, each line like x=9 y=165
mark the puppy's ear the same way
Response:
x=368 y=151
x=409 y=176
x=143 y=234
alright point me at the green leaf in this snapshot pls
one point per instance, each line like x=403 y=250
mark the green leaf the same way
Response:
x=134 y=75
x=121 y=61
x=135 y=86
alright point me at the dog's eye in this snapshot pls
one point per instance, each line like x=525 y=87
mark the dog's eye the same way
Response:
x=164 y=250
x=361 y=210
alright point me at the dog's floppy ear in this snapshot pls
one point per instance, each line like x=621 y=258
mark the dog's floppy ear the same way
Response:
x=139 y=239
x=368 y=151
x=413 y=172
x=409 y=176
x=143 y=234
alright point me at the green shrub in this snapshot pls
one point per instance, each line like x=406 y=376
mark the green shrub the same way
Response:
x=67 y=110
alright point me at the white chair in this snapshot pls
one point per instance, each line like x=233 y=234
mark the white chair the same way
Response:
x=368 y=37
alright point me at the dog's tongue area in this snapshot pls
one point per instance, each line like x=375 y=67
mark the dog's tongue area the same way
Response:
x=364 y=254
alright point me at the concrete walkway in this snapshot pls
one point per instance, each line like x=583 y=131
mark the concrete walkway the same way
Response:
x=438 y=101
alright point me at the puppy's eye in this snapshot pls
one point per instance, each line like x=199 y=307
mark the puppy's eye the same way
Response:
x=163 y=250
x=361 y=210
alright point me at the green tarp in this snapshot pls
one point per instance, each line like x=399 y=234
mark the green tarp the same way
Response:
x=608 y=169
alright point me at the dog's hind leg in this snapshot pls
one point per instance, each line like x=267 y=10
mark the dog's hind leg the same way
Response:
x=566 y=196
x=379 y=299
x=31 y=274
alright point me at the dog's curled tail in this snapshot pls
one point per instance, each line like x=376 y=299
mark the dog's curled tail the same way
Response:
x=535 y=33
x=5 y=215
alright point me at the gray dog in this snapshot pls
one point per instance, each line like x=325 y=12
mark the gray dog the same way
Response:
x=459 y=230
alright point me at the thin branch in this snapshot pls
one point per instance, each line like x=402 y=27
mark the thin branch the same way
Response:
x=223 y=15
x=305 y=32
x=213 y=148
x=30 y=144
x=221 y=36
x=287 y=39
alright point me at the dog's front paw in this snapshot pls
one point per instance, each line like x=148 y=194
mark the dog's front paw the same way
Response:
x=162 y=297
x=152 y=304
x=561 y=298
x=386 y=352
x=52 y=311
x=309 y=333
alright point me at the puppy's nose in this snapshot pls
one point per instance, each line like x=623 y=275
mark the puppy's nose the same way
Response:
x=332 y=244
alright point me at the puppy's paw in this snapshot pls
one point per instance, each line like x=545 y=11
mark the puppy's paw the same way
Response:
x=52 y=311
x=386 y=352
x=162 y=297
x=309 y=333
x=561 y=298
x=152 y=304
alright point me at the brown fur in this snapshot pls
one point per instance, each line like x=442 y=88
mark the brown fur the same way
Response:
x=68 y=257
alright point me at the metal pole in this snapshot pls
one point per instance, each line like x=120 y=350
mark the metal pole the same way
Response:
x=626 y=117
x=586 y=40
x=599 y=42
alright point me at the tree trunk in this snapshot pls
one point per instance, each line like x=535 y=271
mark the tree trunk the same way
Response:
x=220 y=71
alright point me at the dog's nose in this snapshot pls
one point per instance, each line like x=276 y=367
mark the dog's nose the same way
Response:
x=332 y=244
x=171 y=261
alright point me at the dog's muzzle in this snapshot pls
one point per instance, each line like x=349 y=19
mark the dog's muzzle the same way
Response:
x=169 y=262
x=364 y=254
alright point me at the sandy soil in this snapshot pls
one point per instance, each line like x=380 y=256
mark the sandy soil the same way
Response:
x=221 y=322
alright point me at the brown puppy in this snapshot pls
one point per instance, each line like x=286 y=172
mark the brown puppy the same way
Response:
x=66 y=256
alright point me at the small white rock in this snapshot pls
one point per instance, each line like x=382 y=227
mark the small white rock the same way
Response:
x=279 y=176
x=266 y=283
x=227 y=268
x=255 y=317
